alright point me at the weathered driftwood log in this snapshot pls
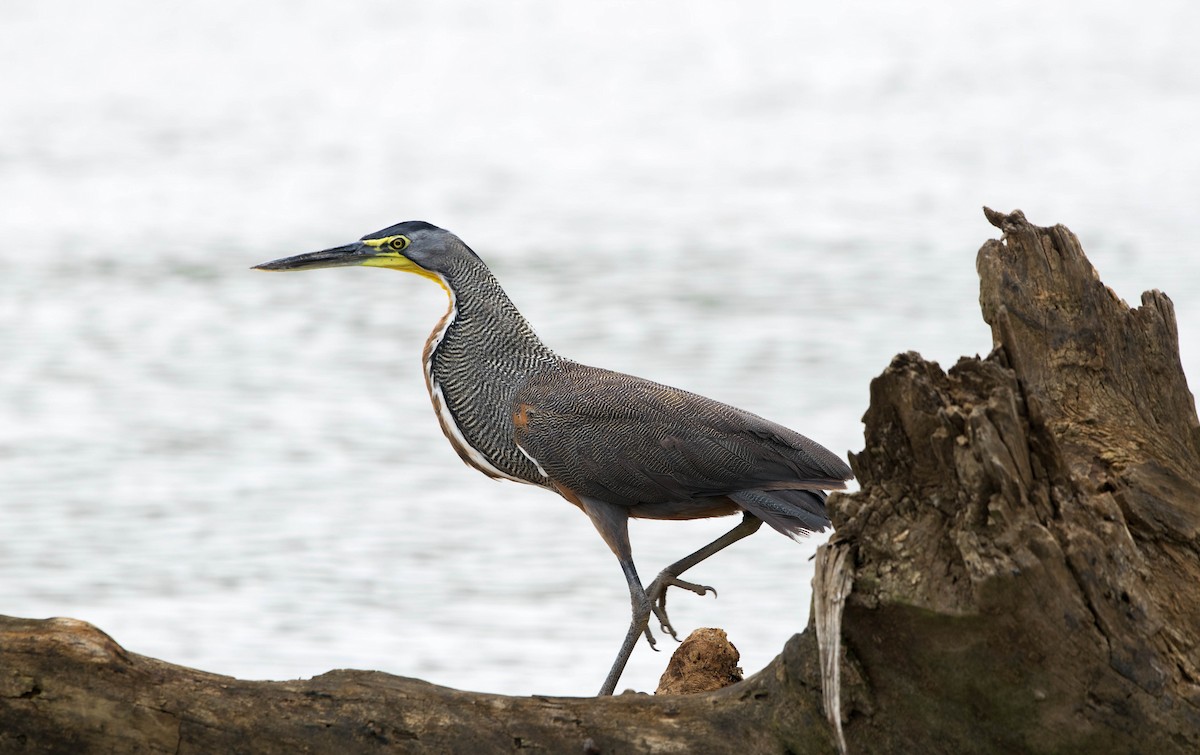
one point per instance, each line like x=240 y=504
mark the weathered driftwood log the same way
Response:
x=66 y=687
x=1020 y=572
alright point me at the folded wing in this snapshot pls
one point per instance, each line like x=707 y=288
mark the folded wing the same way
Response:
x=636 y=443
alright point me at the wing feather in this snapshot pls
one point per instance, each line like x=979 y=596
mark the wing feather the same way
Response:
x=628 y=441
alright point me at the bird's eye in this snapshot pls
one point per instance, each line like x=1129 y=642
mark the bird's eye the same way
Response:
x=399 y=242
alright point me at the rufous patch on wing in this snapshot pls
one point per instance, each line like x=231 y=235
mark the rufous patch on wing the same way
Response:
x=521 y=416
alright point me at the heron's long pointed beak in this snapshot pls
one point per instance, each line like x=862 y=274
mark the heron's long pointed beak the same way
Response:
x=339 y=256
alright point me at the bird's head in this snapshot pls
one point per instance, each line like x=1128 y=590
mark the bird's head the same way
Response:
x=413 y=246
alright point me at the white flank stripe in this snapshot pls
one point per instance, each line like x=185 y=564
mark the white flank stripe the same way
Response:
x=535 y=461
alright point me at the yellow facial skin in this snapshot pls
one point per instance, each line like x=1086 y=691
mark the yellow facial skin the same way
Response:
x=387 y=254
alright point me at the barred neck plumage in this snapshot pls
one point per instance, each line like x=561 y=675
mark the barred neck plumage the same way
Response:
x=476 y=359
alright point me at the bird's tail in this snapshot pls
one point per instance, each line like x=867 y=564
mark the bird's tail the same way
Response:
x=795 y=513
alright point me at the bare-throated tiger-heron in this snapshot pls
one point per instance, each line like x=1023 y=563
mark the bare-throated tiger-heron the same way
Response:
x=615 y=445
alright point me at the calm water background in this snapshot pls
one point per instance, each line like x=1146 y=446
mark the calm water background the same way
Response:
x=241 y=472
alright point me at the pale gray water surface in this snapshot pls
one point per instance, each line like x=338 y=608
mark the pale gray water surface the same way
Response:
x=241 y=471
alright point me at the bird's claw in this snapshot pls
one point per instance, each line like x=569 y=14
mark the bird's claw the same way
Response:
x=657 y=594
x=698 y=589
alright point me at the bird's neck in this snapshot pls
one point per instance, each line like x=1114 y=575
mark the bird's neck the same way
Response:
x=476 y=359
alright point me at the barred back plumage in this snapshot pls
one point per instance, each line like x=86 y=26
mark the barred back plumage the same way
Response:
x=666 y=453
x=676 y=449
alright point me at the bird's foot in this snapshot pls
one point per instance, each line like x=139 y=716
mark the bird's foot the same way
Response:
x=657 y=593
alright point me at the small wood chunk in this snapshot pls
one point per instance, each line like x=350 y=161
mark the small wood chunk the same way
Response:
x=704 y=662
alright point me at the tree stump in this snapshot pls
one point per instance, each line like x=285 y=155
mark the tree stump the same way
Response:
x=1026 y=576
x=1020 y=572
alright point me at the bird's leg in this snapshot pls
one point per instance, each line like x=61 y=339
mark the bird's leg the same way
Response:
x=612 y=522
x=638 y=624
x=656 y=593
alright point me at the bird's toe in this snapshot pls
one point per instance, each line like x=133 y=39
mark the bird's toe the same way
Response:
x=657 y=594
